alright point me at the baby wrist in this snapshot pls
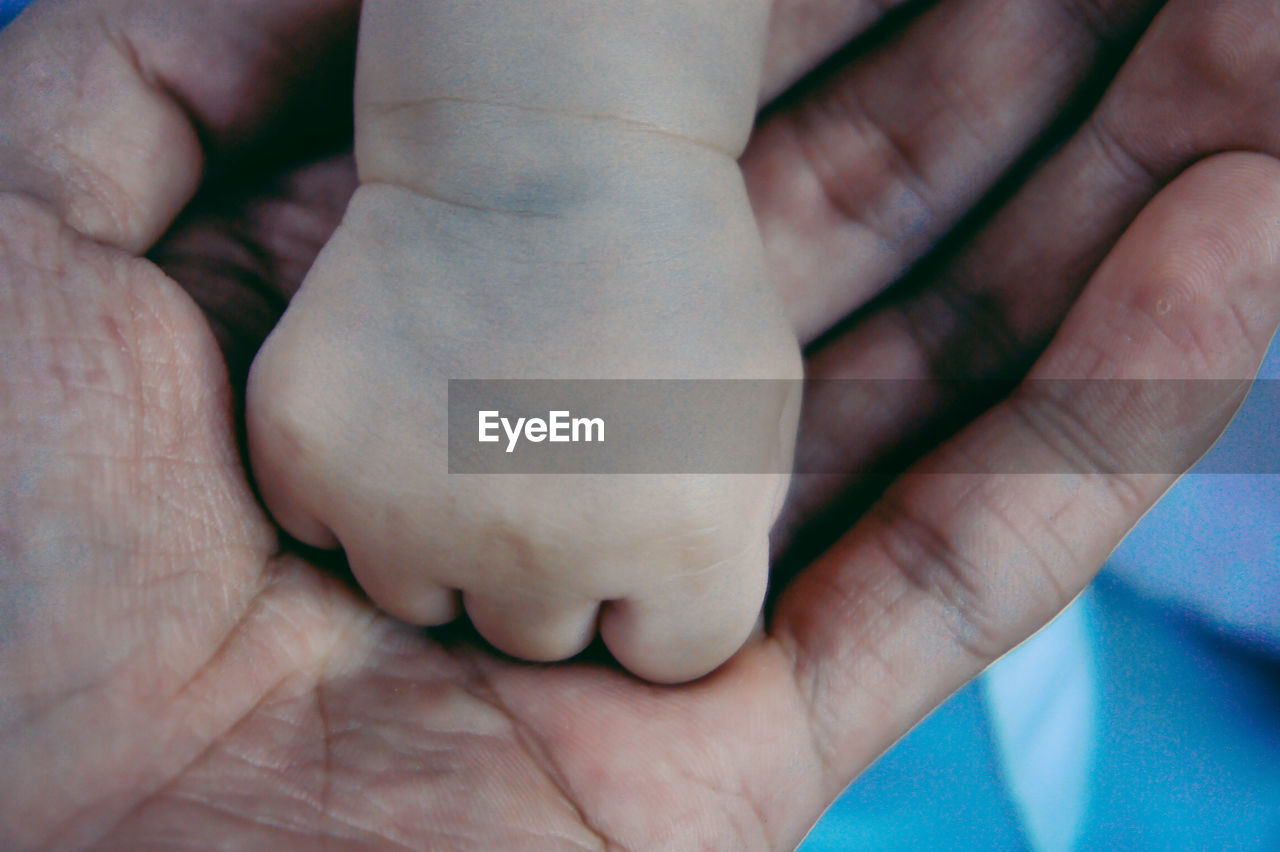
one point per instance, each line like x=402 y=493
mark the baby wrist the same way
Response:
x=687 y=68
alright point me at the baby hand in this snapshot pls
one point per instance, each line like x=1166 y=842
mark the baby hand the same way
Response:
x=494 y=241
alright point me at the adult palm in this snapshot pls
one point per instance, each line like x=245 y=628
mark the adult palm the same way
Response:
x=172 y=671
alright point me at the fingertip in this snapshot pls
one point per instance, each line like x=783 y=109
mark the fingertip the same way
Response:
x=294 y=518
x=307 y=529
x=530 y=629
x=406 y=592
x=631 y=640
x=691 y=627
x=428 y=606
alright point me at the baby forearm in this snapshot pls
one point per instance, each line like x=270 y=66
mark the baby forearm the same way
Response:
x=490 y=76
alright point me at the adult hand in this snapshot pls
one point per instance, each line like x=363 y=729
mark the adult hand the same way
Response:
x=171 y=672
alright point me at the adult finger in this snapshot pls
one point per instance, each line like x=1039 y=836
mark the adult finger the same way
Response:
x=1201 y=81
x=983 y=542
x=804 y=33
x=855 y=180
x=111 y=109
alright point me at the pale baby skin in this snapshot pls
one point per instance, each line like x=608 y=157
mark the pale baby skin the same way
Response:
x=548 y=190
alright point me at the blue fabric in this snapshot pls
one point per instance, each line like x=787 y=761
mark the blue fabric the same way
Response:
x=1189 y=748
x=1045 y=713
x=1185 y=752
x=9 y=10
x=938 y=789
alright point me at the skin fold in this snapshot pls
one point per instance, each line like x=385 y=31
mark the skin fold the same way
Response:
x=174 y=671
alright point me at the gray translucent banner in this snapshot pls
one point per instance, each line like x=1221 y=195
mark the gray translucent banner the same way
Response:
x=739 y=426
